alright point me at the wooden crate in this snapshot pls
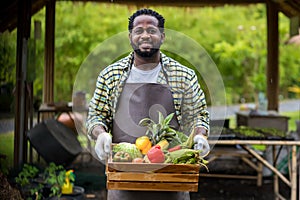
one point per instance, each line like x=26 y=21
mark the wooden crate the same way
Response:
x=152 y=177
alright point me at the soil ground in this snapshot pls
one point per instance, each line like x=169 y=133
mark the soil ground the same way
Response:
x=92 y=178
x=90 y=175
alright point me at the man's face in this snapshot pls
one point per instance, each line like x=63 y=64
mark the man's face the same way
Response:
x=145 y=37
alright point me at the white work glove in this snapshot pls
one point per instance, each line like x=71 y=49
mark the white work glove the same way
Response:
x=103 y=145
x=201 y=143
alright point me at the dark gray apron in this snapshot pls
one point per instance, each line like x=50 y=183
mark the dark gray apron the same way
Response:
x=136 y=102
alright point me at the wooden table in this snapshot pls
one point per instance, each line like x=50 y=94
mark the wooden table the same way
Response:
x=53 y=109
x=244 y=118
x=291 y=181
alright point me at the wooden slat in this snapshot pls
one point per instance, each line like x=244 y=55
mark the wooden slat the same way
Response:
x=221 y=151
x=153 y=177
x=153 y=167
x=152 y=186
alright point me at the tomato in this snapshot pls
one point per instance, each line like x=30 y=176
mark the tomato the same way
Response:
x=138 y=160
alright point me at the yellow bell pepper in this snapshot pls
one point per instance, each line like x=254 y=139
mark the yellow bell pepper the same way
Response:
x=143 y=143
x=164 y=144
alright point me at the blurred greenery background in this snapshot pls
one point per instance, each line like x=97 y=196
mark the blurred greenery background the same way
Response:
x=234 y=37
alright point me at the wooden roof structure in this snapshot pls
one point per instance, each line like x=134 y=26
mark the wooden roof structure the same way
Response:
x=9 y=9
x=17 y=14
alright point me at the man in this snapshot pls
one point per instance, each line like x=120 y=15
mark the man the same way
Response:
x=140 y=85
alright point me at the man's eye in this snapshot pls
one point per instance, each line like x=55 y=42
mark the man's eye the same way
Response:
x=138 y=31
x=152 y=31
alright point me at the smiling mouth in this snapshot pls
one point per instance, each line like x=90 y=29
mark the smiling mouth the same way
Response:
x=145 y=46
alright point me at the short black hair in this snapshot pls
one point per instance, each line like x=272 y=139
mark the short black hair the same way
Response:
x=146 y=11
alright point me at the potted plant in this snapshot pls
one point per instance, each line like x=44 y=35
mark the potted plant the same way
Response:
x=25 y=180
x=41 y=185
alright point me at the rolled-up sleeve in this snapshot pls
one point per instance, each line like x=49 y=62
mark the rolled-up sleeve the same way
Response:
x=194 y=108
x=103 y=102
x=189 y=98
x=99 y=110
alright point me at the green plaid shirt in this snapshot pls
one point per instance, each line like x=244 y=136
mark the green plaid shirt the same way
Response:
x=189 y=99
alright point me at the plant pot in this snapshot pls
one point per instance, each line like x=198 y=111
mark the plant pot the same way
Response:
x=78 y=194
x=55 y=142
x=26 y=191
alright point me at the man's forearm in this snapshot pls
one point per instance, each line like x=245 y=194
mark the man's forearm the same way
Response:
x=97 y=131
x=201 y=131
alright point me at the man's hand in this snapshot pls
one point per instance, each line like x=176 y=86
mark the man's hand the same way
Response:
x=201 y=143
x=103 y=145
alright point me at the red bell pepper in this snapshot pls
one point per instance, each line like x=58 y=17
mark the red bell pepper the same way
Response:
x=156 y=155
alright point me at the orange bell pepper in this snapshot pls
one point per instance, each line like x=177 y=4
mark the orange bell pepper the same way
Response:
x=143 y=144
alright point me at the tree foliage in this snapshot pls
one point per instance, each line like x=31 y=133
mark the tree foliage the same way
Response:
x=234 y=37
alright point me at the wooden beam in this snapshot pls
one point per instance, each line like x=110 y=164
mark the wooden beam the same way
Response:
x=290 y=8
x=181 y=3
x=9 y=16
x=23 y=34
x=48 y=91
x=272 y=56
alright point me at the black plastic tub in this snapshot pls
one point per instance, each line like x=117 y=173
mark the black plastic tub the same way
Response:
x=55 y=142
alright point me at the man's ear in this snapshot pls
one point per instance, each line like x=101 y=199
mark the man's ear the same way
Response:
x=129 y=37
x=163 y=35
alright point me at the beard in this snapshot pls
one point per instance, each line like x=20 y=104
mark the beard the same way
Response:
x=145 y=54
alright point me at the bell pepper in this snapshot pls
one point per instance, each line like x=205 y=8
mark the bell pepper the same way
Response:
x=122 y=156
x=143 y=144
x=164 y=144
x=156 y=155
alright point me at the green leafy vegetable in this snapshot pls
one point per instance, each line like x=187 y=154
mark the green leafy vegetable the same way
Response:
x=129 y=148
x=186 y=156
x=161 y=130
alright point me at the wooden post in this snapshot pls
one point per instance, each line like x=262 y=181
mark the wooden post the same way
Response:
x=271 y=167
x=275 y=177
x=48 y=91
x=23 y=34
x=273 y=56
x=294 y=173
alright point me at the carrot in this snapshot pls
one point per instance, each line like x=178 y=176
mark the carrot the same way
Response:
x=175 y=148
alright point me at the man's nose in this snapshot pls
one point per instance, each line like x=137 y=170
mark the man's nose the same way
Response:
x=145 y=34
